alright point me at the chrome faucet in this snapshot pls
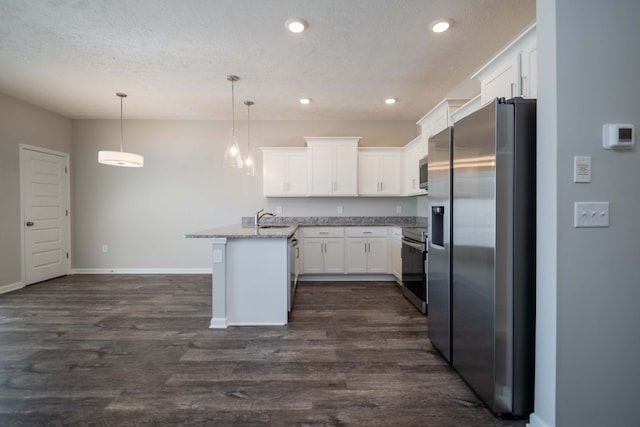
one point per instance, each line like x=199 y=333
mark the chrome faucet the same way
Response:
x=259 y=215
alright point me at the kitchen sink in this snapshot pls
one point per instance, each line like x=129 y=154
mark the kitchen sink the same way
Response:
x=274 y=226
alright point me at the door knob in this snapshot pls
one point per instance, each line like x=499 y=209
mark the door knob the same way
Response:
x=30 y=224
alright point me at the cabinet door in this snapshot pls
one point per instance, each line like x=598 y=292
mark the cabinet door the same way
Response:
x=274 y=173
x=346 y=170
x=297 y=171
x=529 y=65
x=378 y=255
x=368 y=173
x=321 y=175
x=503 y=81
x=390 y=173
x=333 y=255
x=313 y=260
x=356 y=251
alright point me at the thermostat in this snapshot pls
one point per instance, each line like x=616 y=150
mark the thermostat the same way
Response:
x=617 y=137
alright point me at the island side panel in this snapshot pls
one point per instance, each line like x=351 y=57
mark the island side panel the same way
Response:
x=257 y=281
x=219 y=284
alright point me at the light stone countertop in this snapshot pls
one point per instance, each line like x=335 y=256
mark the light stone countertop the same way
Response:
x=247 y=230
x=241 y=231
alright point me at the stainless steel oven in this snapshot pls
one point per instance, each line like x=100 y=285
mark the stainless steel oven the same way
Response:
x=414 y=266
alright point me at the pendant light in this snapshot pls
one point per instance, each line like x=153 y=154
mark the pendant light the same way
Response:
x=121 y=158
x=232 y=155
x=249 y=163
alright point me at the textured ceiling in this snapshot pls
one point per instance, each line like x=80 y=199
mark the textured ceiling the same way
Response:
x=172 y=57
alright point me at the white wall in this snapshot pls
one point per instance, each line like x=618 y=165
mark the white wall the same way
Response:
x=21 y=123
x=589 y=73
x=142 y=214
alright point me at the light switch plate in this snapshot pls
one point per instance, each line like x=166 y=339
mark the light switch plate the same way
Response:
x=591 y=214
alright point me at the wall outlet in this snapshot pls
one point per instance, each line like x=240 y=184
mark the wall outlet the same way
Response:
x=217 y=256
x=105 y=249
x=279 y=210
x=398 y=209
x=340 y=209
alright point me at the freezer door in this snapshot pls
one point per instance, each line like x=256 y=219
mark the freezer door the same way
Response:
x=439 y=266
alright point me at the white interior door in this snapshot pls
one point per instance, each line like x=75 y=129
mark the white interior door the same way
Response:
x=45 y=195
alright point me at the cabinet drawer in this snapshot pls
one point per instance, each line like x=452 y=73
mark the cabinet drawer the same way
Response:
x=323 y=232
x=366 y=231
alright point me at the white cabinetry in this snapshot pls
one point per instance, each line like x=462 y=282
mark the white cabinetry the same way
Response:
x=512 y=72
x=529 y=68
x=284 y=172
x=413 y=152
x=367 y=250
x=396 y=253
x=333 y=166
x=380 y=171
x=323 y=250
x=438 y=119
x=472 y=105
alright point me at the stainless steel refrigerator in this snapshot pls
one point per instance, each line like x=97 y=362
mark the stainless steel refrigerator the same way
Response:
x=439 y=266
x=493 y=253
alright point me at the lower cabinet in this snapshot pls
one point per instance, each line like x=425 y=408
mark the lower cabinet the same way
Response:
x=367 y=250
x=348 y=250
x=323 y=250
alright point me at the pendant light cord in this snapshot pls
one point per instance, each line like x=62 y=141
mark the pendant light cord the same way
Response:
x=121 y=126
x=249 y=129
x=233 y=110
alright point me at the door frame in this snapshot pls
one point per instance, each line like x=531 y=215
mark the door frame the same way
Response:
x=23 y=255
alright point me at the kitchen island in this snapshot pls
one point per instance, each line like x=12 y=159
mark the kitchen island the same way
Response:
x=251 y=274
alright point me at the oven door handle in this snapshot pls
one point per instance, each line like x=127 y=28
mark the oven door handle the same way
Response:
x=414 y=245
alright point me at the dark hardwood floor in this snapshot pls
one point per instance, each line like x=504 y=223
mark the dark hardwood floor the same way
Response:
x=123 y=350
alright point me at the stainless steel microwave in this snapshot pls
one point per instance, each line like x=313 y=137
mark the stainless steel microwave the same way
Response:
x=424 y=173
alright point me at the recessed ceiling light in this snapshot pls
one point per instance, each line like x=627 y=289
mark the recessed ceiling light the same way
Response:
x=441 y=25
x=296 y=25
x=390 y=101
x=305 y=101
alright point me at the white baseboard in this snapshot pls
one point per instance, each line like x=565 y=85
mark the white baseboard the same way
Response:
x=218 y=323
x=141 y=271
x=11 y=287
x=535 y=421
x=347 y=278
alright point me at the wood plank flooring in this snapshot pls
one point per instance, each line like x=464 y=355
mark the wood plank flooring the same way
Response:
x=120 y=350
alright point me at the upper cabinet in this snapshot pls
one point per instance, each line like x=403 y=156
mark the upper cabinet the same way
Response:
x=512 y=72
x=333 y=166
x=284 y=172
x=472 y=105
x=438 y=119
x=380 y=171
x=413 y=152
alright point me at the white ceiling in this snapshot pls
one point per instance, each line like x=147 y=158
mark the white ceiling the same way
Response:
x=172 y=56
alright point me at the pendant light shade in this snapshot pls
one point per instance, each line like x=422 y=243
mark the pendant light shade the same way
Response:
x=232 y=155
x=120 y=158
x=249 y=163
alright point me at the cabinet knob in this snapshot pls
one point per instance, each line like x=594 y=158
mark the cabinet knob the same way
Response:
x=30 y=224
